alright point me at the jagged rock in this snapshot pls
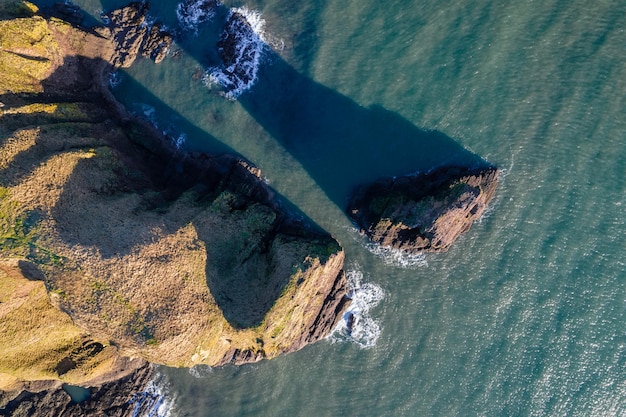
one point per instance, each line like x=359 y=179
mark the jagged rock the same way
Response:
x=424 y=212
x=241 y=49
x=240 y=277
x=118 y=397
x=134 y=36
x=149 y=251
x=156 y=43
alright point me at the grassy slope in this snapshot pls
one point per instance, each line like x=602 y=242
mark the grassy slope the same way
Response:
x=37 y=337
x=151 y=275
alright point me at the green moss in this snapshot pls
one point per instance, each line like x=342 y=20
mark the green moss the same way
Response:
x=17 y=229
x=378 y=205
x=27 y=49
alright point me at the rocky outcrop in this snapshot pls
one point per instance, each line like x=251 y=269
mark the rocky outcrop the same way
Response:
x=423 y=212
x=124 y=396
x=134 y=35
x=241 y=49
x=151 y=252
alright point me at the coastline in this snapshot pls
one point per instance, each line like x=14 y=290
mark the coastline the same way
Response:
x=304 y=264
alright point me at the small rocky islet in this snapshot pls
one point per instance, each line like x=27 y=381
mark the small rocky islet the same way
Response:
x=140 y=253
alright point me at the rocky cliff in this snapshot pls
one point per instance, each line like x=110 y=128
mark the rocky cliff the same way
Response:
x=134 y=248
x=423 y=212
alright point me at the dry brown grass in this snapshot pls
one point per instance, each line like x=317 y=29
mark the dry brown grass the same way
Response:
x=181 y=282
x=35 y=335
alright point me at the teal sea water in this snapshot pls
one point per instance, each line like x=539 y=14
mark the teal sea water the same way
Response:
x=526 y=314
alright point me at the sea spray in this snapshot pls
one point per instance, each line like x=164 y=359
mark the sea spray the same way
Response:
x=397 y=257
x=192 y=13
x=200 y=371
x=115 y=79
x=242 y=46
x=155 y=400
x=356 y=324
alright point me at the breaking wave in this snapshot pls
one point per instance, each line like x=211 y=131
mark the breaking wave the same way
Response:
x=115 y=79
x=357 y=325
x=397 y=257
x=155 y=400
x=171 y=131
x=242 y=46
x=200 y=371
x=192 y=13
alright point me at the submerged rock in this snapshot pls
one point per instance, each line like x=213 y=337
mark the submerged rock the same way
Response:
x=192 y=13
x=423 y=212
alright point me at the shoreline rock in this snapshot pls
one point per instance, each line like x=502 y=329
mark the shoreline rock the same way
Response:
x=116 y=397
x=424 y=212
x=133 y=35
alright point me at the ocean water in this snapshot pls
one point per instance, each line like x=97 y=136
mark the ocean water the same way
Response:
x=526 y=314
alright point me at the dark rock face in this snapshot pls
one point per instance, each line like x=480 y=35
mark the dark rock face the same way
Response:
x=336 y=303
x=121 y=397
x=133 y=35
x=425 y=212
x=241 y=50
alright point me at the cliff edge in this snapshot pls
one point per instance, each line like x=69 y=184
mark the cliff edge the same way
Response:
x=138 y=249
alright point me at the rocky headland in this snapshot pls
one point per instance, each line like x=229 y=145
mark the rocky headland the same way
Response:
x=118 y=250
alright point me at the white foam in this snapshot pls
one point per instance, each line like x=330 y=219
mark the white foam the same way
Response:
x=180 y=140
x=397 y=257
x=155 y=400
x=115 y=79
x=200 y=371
x=357 y=325
x=192 y=13
x=147 y=110
x=105 y=19
x=240 y=75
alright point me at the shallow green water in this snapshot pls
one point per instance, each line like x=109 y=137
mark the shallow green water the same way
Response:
x=526 y=315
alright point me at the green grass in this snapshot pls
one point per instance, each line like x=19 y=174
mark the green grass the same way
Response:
x=16 y=229
x=11 y=9
x=27 y=48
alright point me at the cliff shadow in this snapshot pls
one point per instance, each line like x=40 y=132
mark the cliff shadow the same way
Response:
x=340 y=143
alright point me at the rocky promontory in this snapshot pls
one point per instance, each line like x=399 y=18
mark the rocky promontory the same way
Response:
x=125 y=245
x=423 y=212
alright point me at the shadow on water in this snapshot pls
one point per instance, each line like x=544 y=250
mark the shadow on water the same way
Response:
x=340 y=143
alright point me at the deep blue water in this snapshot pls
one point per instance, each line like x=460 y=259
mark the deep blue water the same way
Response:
x=526 y=314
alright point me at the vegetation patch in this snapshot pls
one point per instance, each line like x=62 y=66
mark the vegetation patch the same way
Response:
x=28 y=51
x=37 y=340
